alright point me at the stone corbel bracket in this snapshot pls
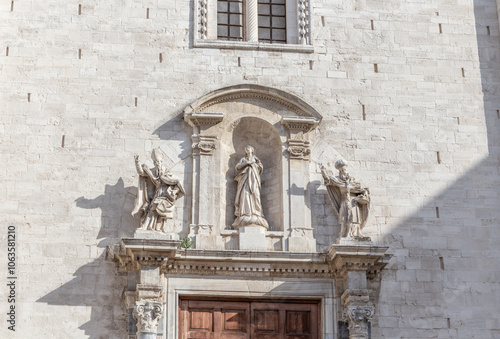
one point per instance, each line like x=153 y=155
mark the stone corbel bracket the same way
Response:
x=304 y=124
x=133 y=253
x=368 y=258
x=298 y=143
x=202 y=119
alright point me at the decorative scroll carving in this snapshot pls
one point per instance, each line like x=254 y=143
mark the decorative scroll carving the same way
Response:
x=357 y=318
x=147 y=315
x=203 y=19
x=157 y=193
x=303 y=22
x=350 y=201
x=298 y=149
x=205 y=145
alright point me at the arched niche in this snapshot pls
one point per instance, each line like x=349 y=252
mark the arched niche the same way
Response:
x=278 y=125
x=265 y=140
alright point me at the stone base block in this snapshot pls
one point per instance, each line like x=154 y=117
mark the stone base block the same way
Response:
x=149 y=234
x=252 y=238
x=355 y=241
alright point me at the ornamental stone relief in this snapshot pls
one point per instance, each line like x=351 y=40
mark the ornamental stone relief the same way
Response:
x=248 y=182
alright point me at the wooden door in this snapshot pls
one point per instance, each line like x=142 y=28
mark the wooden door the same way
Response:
x=203 y=319
x=271 y=320
x=214 y=320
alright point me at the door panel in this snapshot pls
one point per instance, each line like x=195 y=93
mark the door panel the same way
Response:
x=248 y=320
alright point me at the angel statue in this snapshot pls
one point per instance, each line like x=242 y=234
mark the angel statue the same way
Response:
x=248 y=207
x=350 y=201
x=156 y=194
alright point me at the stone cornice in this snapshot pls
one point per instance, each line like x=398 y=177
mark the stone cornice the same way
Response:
x=300 y=123
x=250 y=263
x=361 y=257
x=203 y=119
x=132 y=253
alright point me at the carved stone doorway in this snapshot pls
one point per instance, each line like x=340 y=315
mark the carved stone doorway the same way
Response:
x=249 y=319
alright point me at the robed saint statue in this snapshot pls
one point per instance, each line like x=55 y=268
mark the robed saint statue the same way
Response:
x=156 y=194
x=350 y=201
x=248 y=206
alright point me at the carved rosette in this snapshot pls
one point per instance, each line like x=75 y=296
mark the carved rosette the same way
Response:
x=147 y=315
x=357 y=318
x=204 y=145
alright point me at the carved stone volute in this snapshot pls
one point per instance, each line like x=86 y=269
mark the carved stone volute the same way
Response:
x=357 y=318
x=147 y=315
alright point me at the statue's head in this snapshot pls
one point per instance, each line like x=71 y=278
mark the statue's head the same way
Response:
x=157 y=157
x=341 y=166
x=249 y=150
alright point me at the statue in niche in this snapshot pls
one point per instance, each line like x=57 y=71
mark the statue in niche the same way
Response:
x=248 y=207
x=350 y=201
x=156 y=194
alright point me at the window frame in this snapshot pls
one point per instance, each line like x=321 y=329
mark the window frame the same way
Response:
x=205 y=29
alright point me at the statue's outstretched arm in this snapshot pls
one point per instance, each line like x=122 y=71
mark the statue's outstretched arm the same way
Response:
x=138 y=166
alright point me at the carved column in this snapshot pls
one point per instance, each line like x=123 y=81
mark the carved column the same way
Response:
x=353 y=265
x=205 y=141
x=304 y=26
x=147 y=315
x=143 y=260
x=300 y=232
x=357 y=314
x=252 y=27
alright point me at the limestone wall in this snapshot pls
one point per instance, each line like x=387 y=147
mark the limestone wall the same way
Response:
x=408 y=91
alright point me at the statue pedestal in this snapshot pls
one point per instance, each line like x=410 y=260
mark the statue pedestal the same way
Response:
x=150 y=234
x=252 y=238
x=356 y=241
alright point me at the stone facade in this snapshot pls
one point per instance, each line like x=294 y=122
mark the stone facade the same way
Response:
x=407 y=92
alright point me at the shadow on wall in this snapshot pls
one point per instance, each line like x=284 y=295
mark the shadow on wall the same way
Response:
x=443 y=280
x=179 y=152
x=116 y=205
x=96 y=284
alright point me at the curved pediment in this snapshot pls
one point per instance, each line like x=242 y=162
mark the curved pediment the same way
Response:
x=247 y=91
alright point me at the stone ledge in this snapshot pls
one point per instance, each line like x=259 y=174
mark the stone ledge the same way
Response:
x=362 y=257
x=131 y=254
x=202 y=43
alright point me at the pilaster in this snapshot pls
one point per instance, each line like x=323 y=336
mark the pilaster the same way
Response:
x=300 y=232
x=142 y=260
x=354 y=264
x=204 y=145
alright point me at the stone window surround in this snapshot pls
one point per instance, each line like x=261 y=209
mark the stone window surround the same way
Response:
x=298 y=25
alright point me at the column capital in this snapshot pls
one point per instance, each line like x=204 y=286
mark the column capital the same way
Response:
x=147 y=315
x=204 y=144
x=357 y=318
